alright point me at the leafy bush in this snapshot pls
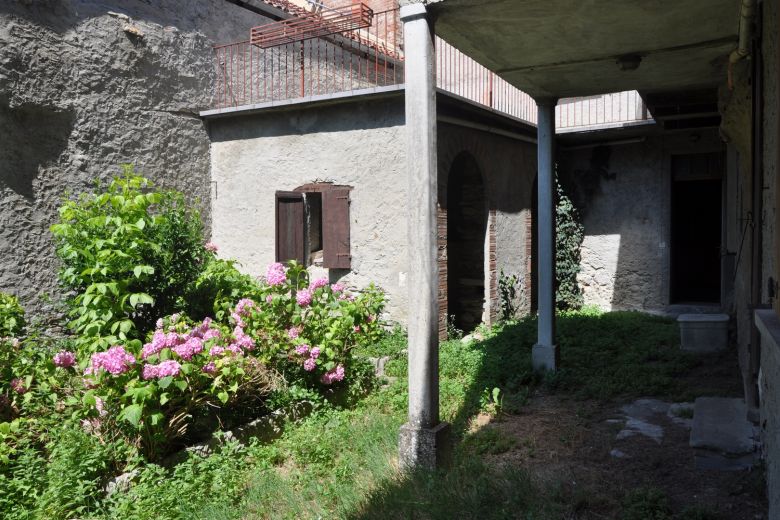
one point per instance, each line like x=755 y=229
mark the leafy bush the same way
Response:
x=11 y=316
x=304 y=330
x=569 y=234
x=218 y=287
x=127 y=253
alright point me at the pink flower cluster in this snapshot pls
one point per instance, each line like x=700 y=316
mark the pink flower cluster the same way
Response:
x=242 y=311
x=189 y=348
x=275 y=274
x=64 y=359
x=242 y=340
x=211 y=247
x=184 y=345
x=313 y=353
x=294 y=332
x=115 y=361
x=319 y=282
x=164 y=369
x=331 y=376
x=17 y=385
x=336 y=287
x=304 y=297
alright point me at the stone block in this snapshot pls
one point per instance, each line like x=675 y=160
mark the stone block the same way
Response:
x=704 y=332
x=423 y=448
x=720 y=424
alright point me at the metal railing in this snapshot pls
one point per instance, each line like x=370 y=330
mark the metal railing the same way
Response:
x=373 y=57
x=358 y=59
x=614 y=109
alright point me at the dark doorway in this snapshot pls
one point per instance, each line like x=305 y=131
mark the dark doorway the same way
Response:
x=466 y=227
x=696 y=229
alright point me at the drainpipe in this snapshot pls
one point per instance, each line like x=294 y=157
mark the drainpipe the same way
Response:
x=757 y=166
x=746 y=13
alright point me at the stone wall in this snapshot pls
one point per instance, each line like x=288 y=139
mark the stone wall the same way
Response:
x=768 y=325
x=625 y=207
x=86 y=85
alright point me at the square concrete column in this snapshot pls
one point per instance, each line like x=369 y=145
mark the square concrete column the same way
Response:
x=422 y=437
x=545 y=353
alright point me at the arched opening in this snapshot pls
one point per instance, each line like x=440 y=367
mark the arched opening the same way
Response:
x=467 y=219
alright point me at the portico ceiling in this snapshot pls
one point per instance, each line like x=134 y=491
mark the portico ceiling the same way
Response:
x=566 y=48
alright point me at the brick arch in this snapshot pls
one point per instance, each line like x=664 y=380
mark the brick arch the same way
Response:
x=459 y=145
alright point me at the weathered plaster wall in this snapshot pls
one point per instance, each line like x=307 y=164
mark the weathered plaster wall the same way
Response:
x=79 y=95
x=625 y=207
x=360 y=144
x=769 y=381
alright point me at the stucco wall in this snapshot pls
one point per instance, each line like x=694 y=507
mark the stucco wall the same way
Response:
x=626 y=214
x=360 y=144
x=79 y=95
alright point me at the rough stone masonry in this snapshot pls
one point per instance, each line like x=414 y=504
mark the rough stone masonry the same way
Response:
x=86 y=86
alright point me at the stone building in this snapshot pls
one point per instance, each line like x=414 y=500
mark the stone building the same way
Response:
x=384 y=153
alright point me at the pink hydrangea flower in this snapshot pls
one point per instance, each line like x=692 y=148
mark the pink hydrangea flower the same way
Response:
x=242 y=339
x=159 y=324
x=319 y=282
x=331 y=376
x=294 y=332
x=243 y=306
x=309 y=365
x=189 y=348
x=209 y=368
x=336 y=287
x=269 y=298
x=371 y=318
x=149 y=372
x=303 y=297
x=159 y=342
x=235 y=348
x=17 y=385
x=211 y=333
x=168 y=368
x=115 y=360
x=315 y=352
x=216 y=350
x=302 y=350
x=275 y=274
x=64 y=359
x=356 y=328
x=211 y=247
x=236 y=317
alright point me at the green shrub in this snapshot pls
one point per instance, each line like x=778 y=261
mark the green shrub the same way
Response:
x=218 y=287
x=128 y=253
x=569 y=234
x=11 y=316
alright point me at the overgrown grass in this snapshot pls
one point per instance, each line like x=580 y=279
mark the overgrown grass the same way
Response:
x=341 y=462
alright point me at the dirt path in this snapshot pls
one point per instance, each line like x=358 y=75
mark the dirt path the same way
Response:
x=570 y=447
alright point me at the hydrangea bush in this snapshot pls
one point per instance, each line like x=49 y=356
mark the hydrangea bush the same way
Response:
x=304 y=330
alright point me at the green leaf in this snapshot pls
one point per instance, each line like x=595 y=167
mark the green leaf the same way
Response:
x=223 y=396
x=165 y=382
x=180 y=384
x=132 y=414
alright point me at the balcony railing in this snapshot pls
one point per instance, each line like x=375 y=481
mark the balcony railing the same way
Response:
x=372 y=57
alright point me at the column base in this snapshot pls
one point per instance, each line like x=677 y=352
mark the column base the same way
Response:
x=423 y=448
x=545 y=358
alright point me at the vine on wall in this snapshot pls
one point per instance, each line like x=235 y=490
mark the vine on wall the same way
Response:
x=569 y=234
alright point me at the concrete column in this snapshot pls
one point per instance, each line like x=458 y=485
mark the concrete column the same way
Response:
x=545 y=352
x=422 y=436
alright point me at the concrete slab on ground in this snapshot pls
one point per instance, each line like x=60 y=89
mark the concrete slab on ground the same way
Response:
x=720 y=424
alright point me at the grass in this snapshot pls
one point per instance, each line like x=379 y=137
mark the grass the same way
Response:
x=341 y=462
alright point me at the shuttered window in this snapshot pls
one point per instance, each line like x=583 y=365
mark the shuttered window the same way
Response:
x=290 y=227
x=300 y=217
x=335 y=228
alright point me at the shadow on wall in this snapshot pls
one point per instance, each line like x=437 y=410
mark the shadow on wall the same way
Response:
x=621 y=195
x=40 y=136
x=644 y=220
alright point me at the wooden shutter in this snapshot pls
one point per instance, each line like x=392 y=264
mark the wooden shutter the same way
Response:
x=290 y=241
x=335 y=228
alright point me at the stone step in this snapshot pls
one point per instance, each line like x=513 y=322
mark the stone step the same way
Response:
x=722 y=436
